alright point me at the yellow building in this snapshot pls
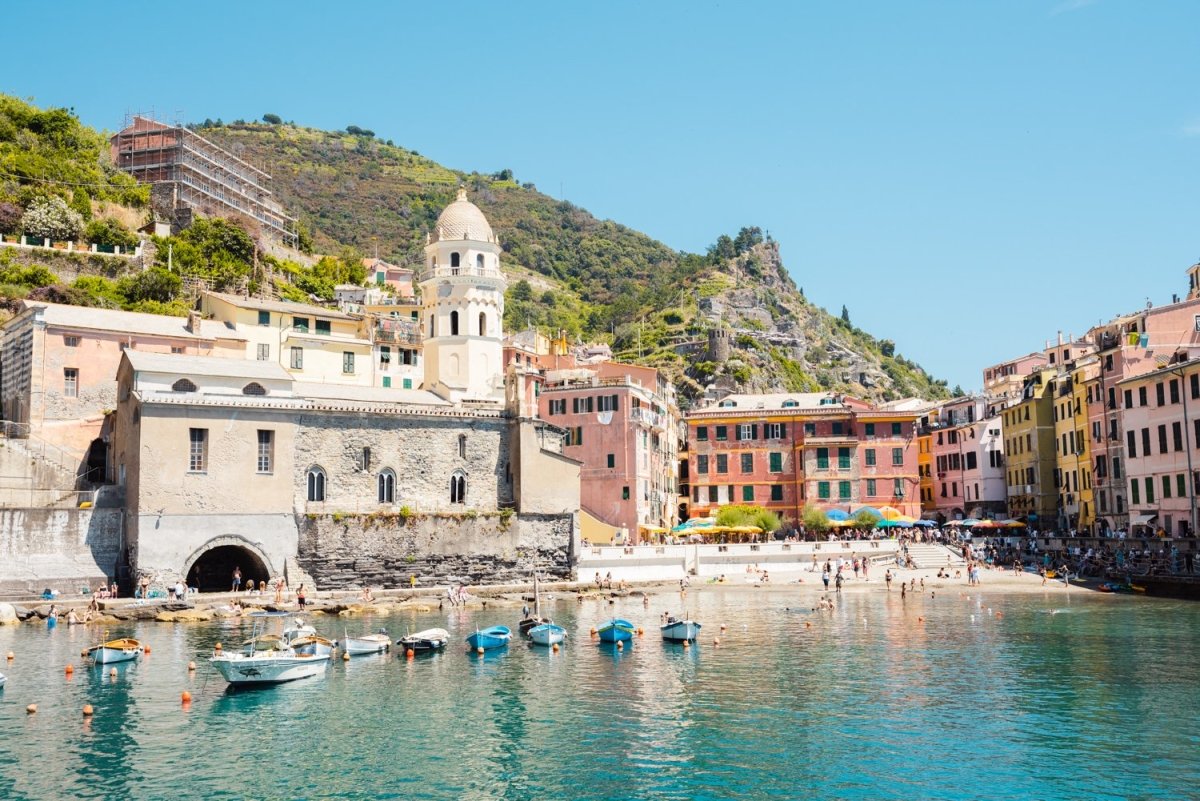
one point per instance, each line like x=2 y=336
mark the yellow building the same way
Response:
x=314 y=344
x=1029 y=452
x=1076 y=510
x=925 y=469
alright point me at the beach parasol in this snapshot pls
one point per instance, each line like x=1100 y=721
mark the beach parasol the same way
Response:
x=836 y=514
x=870 y=509
x=890 y=513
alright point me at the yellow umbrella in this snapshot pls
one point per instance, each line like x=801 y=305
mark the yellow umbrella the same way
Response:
x=890 y=513
x=746 y=530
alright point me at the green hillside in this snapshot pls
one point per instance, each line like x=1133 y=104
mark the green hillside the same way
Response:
x=354 y=194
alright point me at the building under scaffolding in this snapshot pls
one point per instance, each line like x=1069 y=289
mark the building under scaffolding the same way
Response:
x=191 y=174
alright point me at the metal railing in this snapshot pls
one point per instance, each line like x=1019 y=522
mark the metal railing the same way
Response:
x=38 y=448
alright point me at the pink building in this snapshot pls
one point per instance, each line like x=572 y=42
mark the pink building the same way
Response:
x=382 y=273
x=968 y=461
x=58 y=366
x=1003 y=383
x=1162 y=446
x=622 y=425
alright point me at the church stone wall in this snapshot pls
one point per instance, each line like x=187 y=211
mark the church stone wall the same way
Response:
x=342 y=551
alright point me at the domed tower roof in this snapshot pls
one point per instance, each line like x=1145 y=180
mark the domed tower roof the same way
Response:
x=462 y=219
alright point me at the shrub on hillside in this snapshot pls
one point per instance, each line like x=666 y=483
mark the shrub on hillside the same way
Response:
x=52 y=218
x=10 y=218
x=110 y=232
x=27 y=276
x=155 y=284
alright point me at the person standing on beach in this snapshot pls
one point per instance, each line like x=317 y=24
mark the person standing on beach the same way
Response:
x=887 y=578
x=300 y=596
x=237 y=578
x=838 y=582
x=825 y=578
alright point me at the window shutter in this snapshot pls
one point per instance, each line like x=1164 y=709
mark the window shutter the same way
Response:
x=754 y=431
x=616 y=405
x=737 y=433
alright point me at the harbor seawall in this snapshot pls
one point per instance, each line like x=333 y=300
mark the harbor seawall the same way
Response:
x=59 y=548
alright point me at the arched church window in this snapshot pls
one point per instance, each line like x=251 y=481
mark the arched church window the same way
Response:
x=387 y=486
x=316 y=484
x=183 y=385
x=479 y=261
x=453 y=323
x=454 y=259
x=458 y=487
x=483 y=324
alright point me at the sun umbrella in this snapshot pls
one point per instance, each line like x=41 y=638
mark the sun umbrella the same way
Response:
x=870 y=509
x=954 y=523
x=894 y=524
x=847 y=523
x=906 y=519
x=970 y=521
x=925 y=524
x=987 y=524
x=1014 y=524
x=890 y=512
x=836 y=514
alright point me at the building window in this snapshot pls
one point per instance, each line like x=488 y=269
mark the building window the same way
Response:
x=197 y=450
x=1142 y=396
x=455 y=259
x=1174 y=390
x=348 y=362
x=869 y=429
x=837 y=428
x=1131 y=444
x=896 y=429
x=701 y=433
x=1166 y=485
x=748 y=494
x=300 y=324
x=607 y=403
x=407 y=383
x=822 y=458
x=462 y=446
x=722 y=463
x=1180 y=485
x=1149 y=483
x=823 y=490
x=775 y=431
x=869 y=458
x=1194 y=382
x=324 y=328
x=387 y=486
x=712 y=494
x=1135 y=493
x=482 y=324
x=870 y=488
x=71 y=342
x=898 y=489
x=1177 y=435
x=1162 y=438
x=453 y=323
x=264 y=318
x=844 y=490
x=263 y=352
x=777 y=492
x=1159 y=395
x=612 y=460
x=297 y=358
x=458 y=487
x=776 y=462
x=266 y=450
x=183 y=385
x=746 y=432
x=972 y=458
x=747 y=462
x=254 y=388
x=810 y=429
x=316 y=484
x=843 y=458
x=897 y=457
x=722 y=433
x=177 y=349
x=71 y=382
x=1146 y=442
x=702 y=464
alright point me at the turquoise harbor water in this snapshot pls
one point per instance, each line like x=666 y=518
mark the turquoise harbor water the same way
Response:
x=1078 y=697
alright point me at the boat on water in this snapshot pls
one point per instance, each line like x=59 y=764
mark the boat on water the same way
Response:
x=616 y=630
x=3 y=679
x=268 y=659
x=304 y=640
x=547 y=634
x=532 y=621
x=427 y=640
x=680 y=630
x=367 y=644
x=493 y=637
x=107 y=653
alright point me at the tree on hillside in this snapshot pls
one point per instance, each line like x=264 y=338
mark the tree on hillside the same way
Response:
x=154 y=284
x=747 y=238
x=522 y=291
x=845 y=314
x=51 y=218
x=273 y=119
x=887 y=347
x=10 y=218
x=722 y=251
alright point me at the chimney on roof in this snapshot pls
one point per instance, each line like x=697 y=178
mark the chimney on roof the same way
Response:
x=193 y=322
x=1060 y=338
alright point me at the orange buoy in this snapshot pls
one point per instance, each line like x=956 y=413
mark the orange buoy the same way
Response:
x=186 y=697
x=479 y=651
x=217 y=647
x=345 y=657
x=620 y=646
x=554 y=648
x=191 y=666
x=112 y=673
x=10 y=655
x=410 y=653
x=31 y=709
x=641 y=631
x=807 y=625
x=920 y=620
x=593 y=634
x=69 y=669
x=146 y=649
x=687 y=644
x=716 y=640
x=87 y=710
x=999 y=614
x=722 y=627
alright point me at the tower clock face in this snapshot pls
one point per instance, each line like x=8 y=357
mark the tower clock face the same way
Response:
x=444 y=289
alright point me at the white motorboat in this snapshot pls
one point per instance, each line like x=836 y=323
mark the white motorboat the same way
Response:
x=680 y=630
x=106 y=653
x=427 y=640
x=366 y=644
x=268 y=667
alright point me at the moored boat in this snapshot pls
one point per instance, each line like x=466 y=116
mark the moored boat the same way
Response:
x=427 y=640
x=268 y=667
x=680 y=630
x=547 y=634
x=616 y=630
x=313 y=645
x=531 y=621
x=492 y=637
x=366 y=644
x=122 y=650
x=3 y=679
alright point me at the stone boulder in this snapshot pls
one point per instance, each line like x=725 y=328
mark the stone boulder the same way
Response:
x=8 y=615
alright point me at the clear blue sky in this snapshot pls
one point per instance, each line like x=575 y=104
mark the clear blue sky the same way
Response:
x=967 y=177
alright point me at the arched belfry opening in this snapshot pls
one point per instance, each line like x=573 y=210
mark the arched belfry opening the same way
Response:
x=212 y=570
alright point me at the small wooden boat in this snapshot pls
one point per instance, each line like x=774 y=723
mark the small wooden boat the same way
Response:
x=493 y=637
x=107 y=653
x=547 y=634
x=680 y=630
x=427 y=640
x=616 y=630
x=529 y=622
x=367 y=644
x=313 y=645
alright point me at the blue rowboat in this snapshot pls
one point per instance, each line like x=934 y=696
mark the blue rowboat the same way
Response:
x=494 y=637
x=616 y=630
x=681 y=630
x=547 y=634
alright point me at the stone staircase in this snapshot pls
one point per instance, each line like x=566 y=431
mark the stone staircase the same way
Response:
x=32 y=475
x=927 y=555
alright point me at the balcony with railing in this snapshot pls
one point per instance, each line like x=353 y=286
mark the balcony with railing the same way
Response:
x=462 y=271
x=394 y=334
